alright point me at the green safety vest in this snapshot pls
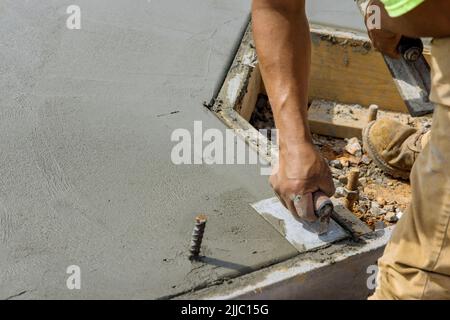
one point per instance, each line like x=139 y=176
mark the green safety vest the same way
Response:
x=396 y=8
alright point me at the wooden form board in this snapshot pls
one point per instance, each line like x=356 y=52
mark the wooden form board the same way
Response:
x=340 y=120
x=345 y=68
x=337 y=120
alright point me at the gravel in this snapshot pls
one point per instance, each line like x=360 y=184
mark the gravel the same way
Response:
x=391 y=217
x=344 y=155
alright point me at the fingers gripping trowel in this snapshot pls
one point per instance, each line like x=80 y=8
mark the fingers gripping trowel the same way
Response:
x=411 y=73
x=303 y=235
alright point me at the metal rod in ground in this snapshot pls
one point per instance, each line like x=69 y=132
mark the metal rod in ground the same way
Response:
x=197 y=236
x=352 y=189
x=373 y=112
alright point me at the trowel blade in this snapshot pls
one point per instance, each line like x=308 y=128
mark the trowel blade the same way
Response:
x=413 y=82
x=302 y=236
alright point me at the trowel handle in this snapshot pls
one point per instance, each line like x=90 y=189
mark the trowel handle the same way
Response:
x=410 y=48
x=323 y=207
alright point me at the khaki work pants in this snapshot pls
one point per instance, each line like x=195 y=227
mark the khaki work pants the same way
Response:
x=416 y=261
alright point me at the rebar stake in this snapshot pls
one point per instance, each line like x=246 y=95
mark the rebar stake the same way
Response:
x=197 y=236
x=373 y=112
x=352 y=189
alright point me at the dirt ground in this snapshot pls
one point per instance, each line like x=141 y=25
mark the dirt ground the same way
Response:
x=382 y=198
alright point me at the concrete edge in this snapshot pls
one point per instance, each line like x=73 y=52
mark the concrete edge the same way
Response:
x=339 y=271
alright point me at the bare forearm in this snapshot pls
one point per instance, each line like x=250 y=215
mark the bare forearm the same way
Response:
x=283 y=43
x=282 y=38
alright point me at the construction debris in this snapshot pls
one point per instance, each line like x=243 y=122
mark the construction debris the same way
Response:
x=382 y=198
x=391 y=217
x=354 y=147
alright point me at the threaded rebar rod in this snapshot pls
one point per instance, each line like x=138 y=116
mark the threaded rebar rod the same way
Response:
x=197 y=236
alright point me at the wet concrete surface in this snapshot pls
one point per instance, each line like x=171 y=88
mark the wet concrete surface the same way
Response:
x=86 y=178
x=342 y=14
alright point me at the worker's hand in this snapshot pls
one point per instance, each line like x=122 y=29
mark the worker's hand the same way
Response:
x=382 y=39
x=386 y=42
x=301 y=171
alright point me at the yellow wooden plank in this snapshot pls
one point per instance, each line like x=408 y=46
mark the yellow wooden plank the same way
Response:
x=336 y=119
x=347 y=70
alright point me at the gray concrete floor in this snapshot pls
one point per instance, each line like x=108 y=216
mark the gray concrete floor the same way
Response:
x=341 y=14
x=85 y=171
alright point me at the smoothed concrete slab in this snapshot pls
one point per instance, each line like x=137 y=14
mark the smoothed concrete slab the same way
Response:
x=86 y=178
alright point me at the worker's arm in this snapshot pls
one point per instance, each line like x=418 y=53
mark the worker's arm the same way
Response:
x=429 y=19
x=283 y=44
